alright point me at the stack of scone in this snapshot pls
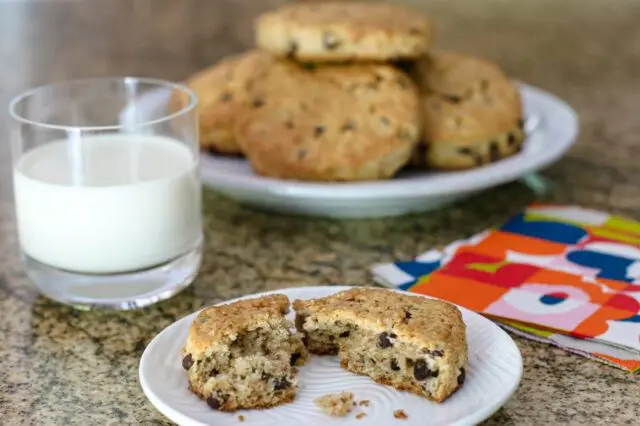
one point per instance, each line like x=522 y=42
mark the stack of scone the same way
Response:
x=345 y=91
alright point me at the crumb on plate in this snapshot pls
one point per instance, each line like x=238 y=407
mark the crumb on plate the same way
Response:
x=241 y=418
x=400 y=414
x=365 y=403
x=360 y=415
x=336 y=404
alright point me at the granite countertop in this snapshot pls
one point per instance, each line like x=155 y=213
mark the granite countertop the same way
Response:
x=60 y=366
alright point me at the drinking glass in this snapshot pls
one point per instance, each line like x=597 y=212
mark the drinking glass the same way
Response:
x=107 y=190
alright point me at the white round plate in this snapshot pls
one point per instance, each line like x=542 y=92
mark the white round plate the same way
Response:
x=551 y=126
x=495 y=370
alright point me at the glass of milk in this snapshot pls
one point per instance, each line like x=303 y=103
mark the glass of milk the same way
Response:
x=107 y=190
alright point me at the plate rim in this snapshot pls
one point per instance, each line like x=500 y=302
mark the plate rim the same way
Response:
x=451 y=183
x=182 y=419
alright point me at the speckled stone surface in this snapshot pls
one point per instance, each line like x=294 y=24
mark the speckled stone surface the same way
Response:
x=59 y=366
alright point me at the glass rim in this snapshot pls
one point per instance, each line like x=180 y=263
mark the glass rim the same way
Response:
x=193 y=101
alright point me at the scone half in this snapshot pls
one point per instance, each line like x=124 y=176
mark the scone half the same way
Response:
x=409 y=342
x=243 y=355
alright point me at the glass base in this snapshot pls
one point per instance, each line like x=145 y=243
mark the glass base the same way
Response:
x=129 y=290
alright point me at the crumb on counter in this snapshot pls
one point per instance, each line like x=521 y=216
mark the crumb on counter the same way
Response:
x=336 y=404
x=400 y=414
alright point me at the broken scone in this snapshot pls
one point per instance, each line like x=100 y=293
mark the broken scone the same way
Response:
x=409 y=342
x=243 y=355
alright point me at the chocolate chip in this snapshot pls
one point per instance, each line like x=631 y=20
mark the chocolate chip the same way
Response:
x=345 y=334
x=393 y=335
x=292 y=50
x=494 y=151
x=384 y=341
x=318 y=131
x=511 y=139
x=330 y=40
x=404 y=134
x=300 y=319
x=226 y=97
x=407 y=316
x=258 y=102
x=349 y=125
x=477 y=158
x=421 y=370
x=187 y=362
x=265 y=376
x=294 y=358
x=213 y=373
x=462 y=376
x=394 y=365
x=436 y=353
x=213 y=402
x=402 y=82
x=281 y=383
x=453 y=98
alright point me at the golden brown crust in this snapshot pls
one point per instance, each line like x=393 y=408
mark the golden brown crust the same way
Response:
x=217 y=324
x=285 y=398
x=339 y=31
x=331 y=122
x=220 y=90
x=465 y=100
x=461 y=155
x=413 y=318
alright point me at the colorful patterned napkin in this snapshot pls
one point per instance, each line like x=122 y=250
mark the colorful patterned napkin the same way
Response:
x=562 y=275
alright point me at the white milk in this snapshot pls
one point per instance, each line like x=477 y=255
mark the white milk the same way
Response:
x=133 y=203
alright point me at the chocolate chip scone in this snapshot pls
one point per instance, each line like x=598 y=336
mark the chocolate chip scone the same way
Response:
x=243 y=355
x=342 y=31
x=220 y=90
x=472 y=112
x=409 y=342
x=330 y=122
